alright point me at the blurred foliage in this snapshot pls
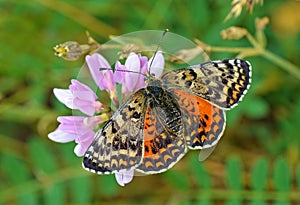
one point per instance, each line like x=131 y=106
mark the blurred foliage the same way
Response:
x=257 y=161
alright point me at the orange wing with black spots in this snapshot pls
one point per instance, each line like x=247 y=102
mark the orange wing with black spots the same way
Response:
x=164 y=144
x=203 y=122
x=222 y=82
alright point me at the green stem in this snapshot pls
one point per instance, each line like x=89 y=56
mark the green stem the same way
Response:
x=258 y=50
x=253 y=41
x=284 y=64
x=77 y=14
x=230 y=50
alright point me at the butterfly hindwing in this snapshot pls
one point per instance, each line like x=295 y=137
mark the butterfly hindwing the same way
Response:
x=222 y=82
x=203 y=122
x=118 y=146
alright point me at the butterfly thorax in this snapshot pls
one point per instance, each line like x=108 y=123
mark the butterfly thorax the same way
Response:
x=154 y=88
x=163 y=105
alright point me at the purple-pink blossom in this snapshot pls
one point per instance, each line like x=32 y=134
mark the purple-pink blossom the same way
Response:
x=124 y=177
x=102 y=74
x=78 y=129
x=132 y=74
x=79 y=96
x=157 y=65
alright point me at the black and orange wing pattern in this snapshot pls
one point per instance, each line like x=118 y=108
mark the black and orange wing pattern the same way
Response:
x=222 y=83
x=164 y=144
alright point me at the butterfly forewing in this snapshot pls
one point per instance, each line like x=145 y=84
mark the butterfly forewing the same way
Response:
x=119 y=145
x=222 y=83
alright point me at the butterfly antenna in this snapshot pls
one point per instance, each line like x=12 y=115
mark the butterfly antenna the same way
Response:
x=125 y=71
x=160 y=40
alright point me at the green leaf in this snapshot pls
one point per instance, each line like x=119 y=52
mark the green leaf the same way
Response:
x=108 y=185
x=55 y=194
x=68 y=157
x=199 y=172
x=177 y=179
x=282 y=175
x=186 y=202
x=81 y=189
x=258 y=202
x=45 y=163
x=234 y=202
x=259 y=175
x=41 y=156
x=204 y=202
x=14 y=169
x=282 y=202
x=28 y=198
x=234 y=173
x=258 y=108
x=18 y=173
x=203 y=177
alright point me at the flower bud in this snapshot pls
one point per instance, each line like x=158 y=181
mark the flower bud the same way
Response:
x=70 y=50
x=233 y=33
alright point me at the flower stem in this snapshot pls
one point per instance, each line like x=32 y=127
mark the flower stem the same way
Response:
x=284 y=64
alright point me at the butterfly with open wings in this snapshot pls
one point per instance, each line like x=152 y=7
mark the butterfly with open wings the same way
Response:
x=156 y=126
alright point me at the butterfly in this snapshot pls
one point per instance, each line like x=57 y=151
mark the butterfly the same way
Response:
x=156 y=126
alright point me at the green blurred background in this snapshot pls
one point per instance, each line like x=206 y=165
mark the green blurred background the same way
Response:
x=257 y=160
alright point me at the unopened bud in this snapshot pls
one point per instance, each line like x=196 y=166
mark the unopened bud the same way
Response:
x=70 y=50
x=260 y=24
x=234 y=33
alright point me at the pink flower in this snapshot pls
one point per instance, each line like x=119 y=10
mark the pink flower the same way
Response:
x=134 y=80
x=124 y=177
x=103 y=78
x=158 y=64
x=79 y=96
x=78 y=129
x=137 y=67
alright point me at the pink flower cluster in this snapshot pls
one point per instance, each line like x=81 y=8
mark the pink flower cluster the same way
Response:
x=79 y=96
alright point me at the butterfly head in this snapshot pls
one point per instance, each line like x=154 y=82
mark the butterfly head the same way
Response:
x=149 y=77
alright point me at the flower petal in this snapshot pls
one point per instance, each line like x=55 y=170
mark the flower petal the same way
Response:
x=124 y=177
x=104 y=79
x=60 y=136
x=81 y=148
x=64 y=96
x=78 y=87
x=119 y=75
x=132 y=64
x=87 y=107
x=158 y=64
